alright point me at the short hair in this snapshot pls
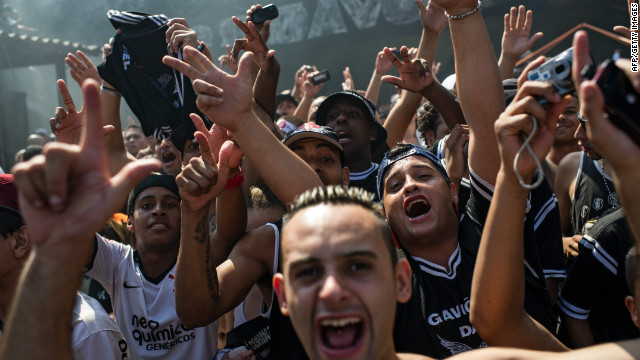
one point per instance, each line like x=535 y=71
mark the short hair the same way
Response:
x=133 y=126
x=427 y=119
x=9 y=222
x=31 y=151
x=342 y=195
x=631 y=268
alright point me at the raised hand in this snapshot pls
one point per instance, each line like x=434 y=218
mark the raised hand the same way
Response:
x=348 y=83
x=383 y=64
x=310 y=90
x=66 y=194
x=515 y=39
x=81 y=68
x=415 y=75
x=223 y=98
x=264 y=29
x=623 y=30
x=226 y=60
x=204 y=178
x=432 y=16
x=455 y=7
x=263 y=57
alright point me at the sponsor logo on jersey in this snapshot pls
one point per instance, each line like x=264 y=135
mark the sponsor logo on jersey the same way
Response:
x=127 y=286
x=126 y=59
x=456 y=312
x=598 y=203
x=149 y=334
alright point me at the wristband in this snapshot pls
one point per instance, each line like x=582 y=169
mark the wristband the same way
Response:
x=461 y=16
x=235 y=181
x=109 y=91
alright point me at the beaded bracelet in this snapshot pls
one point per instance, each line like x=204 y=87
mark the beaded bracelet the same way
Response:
x=461 y=16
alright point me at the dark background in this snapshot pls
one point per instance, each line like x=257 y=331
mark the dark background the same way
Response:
x=330 y=34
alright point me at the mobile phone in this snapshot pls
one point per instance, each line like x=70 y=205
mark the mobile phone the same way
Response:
x=268 y=12
x=622 y=102
x=320 y=77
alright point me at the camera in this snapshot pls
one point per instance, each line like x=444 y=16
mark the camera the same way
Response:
x=557 y=72
x=320 y=77
x=622 y=102
x=268 y=12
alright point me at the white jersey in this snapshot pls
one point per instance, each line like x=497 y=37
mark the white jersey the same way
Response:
x=93 y=334
x=146 y=312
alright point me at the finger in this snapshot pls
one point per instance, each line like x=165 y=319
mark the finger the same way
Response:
x=392 y=57
x=243 y=27
x=537 y=36
x=421 y=6
x=255 y=35
x=623 y=30
x=91 y=140
x=528 y=23
x=404 y=52
x=181 y=21
x=507 y=22
x=581 y=57
x=206 y=51
x=66 y=96
x=187 y=69
x=56 y=172
x=513 y=18
x=73 y=61
x=107 y=129
x=205 y=148
x=532 y=65
x=393 y=80
x=52 y=126
x=202 y=88
x=238 y=45
x=521 y=17
x=129 y=176
x=28 y=177
x=85 y=59
x=228 y=49
x=76 y=76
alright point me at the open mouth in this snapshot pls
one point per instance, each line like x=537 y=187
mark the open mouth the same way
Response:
x=341 y=335
x=343 y=137
x=158 y=226
x=168 y=157
x=417 y=207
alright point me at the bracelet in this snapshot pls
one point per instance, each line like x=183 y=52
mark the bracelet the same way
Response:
x=235 y=181
x=461 y=16
x=109 y=91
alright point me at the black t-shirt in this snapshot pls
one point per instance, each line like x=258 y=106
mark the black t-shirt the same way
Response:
x=366 y=180
x=595 y=287
x=591 y=199
x=435 y=322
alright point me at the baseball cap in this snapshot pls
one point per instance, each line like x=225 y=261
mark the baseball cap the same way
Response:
x=365 y=105
x=311 y=130
x=286 y=97
x=8 y=194
x=413 y=150
x=162 y=180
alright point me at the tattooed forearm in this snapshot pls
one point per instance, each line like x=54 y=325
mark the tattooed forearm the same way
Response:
x=212 y=275
x=202 y=231
x=212 y=223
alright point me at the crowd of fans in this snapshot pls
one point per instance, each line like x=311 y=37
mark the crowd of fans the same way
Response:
x=233 y=222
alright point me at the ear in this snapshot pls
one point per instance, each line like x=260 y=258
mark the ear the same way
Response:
x=403 y=280
x=373 y=132
x=454 y=197
x=21 y=242
x=130 y=223
x=633 y=311
x=278 y=287
x=345 y=176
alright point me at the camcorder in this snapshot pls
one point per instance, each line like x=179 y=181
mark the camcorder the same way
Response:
x=622 y=102
x=268 y=12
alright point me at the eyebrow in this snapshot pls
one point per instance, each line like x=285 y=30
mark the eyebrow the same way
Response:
x=414 y=166
x=354 y=253
x=164 y=197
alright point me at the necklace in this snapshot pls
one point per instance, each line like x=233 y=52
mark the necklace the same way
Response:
x=613 y=197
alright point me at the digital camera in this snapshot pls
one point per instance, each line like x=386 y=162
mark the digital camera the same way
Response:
x=557 y=72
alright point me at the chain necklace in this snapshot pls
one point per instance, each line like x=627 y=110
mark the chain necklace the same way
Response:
x=615 y=205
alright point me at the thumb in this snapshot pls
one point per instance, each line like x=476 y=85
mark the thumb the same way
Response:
x=392 y=80
x=244 y=66
x=534 y=38
x=129 y=176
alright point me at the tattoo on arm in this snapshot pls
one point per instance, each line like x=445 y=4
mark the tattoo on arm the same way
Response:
x=212 y=275
x=212 y=223
x=202 y=230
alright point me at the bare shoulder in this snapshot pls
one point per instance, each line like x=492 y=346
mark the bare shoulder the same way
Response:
x=258 y=245
x=567 y=170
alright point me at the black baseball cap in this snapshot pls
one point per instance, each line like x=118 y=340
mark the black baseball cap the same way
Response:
x=162 y=180
x=365 y=105
x=311 y=130
x=286 y=97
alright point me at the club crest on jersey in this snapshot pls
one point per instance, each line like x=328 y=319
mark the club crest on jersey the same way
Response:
x=613 y=199
x=585 y=211
x=598 y=203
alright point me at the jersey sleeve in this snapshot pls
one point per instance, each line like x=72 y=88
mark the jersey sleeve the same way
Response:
x=108 y=256
x=548 y=231
x=106 y=344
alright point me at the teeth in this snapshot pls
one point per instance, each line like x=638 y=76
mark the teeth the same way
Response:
x=340 y=322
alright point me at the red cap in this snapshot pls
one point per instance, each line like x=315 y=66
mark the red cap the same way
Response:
x=8 y=194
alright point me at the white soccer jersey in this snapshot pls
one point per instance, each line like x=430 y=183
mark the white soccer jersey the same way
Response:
x=146 y=312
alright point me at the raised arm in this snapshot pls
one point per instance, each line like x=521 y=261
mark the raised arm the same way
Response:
x=515 y=39
x=233 y=112
x=498 y=287
x=63 y=205
x=433 y=23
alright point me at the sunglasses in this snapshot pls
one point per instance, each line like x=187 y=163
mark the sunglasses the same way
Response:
x=582 y=121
